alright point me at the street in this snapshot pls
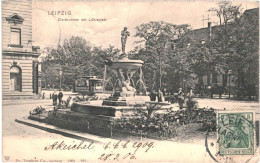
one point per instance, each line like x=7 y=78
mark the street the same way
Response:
x=228 y=104
x=16 y=111
x=22 y=141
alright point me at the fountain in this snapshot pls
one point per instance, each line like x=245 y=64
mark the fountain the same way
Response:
x=124 y=69
x=123 y=98
x=98 y=116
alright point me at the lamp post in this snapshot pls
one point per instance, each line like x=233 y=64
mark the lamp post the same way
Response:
x=104 y=79
x=184 y=85
x=60 y=77
x=229 y=76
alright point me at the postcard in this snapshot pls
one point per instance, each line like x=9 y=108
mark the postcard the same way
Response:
x=130 y=81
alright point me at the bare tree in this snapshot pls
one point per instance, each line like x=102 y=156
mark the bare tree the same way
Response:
x=226 y=12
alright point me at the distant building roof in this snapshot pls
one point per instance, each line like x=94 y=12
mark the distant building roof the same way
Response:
x=251 y=11
x=203 y=33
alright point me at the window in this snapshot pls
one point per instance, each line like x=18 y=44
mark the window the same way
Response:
x=81 y=82
x=16 y=36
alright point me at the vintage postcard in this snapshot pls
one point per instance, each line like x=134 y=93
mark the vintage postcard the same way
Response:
x=130 y=81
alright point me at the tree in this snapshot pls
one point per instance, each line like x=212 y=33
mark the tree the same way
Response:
x=73 y=57
x=236 y=42
x=226 y=12
x=244 y=58
x=50 y=69
x=201 y=60
x=76 y=57
x=103 y=60
x=178 y=73
x=157 y=36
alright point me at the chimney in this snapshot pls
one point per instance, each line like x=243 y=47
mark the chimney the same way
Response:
x=209 y=30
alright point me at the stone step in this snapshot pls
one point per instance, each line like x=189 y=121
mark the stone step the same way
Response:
x=114 y=103
x=19 y=96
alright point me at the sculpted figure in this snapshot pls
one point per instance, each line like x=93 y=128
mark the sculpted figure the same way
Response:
x=124 y=35
x=127 y=90
x=126 y=84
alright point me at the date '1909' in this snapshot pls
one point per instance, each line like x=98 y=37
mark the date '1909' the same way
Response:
x=122 y=146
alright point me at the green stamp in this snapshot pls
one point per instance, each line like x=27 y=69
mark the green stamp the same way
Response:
x=236 y=134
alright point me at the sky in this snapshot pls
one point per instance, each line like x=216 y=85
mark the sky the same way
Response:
x=48 y=31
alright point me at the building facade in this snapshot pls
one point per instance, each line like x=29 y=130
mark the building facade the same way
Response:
x=20 y=67
x=219 y=77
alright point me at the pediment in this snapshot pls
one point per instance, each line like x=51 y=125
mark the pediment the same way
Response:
x=15 y=18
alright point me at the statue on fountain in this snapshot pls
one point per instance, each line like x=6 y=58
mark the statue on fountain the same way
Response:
x=124 y=35
x=126 y=89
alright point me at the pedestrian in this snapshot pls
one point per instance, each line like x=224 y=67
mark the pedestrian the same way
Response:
x=164 y=91
x=67 y=103
x=60 y=95
x=190 y=93
x=54 y=98
x=43 y=95
x=160 y=96
x=153 y=95
x=180 y=98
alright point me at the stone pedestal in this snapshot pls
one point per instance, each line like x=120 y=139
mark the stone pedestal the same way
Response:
x=124 y=101
x=124 y=93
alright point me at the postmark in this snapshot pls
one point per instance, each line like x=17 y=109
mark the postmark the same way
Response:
x=236 y=133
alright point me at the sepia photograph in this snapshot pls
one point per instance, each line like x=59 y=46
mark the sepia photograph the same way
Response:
x=130 y=81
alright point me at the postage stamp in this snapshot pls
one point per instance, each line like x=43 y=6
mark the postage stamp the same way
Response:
x=236 y=133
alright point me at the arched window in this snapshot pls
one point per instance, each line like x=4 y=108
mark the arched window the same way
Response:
x=15 y=79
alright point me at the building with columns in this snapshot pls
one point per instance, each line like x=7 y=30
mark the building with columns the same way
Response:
x=21 y=72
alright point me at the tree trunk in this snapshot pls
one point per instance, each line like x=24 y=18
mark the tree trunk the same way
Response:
x=104 y=79
x=214 y=78
x=154 y=81
x=241 y=82
x=208 y=79
x=200 y=79
x=225 y=79
x=160 y=71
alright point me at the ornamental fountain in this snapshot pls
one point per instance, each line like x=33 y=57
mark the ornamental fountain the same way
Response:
x=123 y=98
x=124 y=69
x=98 y=117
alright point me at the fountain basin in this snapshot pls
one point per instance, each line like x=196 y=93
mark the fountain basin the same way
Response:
x=128 y=64
x=124 y=109
x=93 y=117
x=111 y=111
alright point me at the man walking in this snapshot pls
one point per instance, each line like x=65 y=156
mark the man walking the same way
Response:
x=54 y=98
x=180 y=98
x=160 y=96
x=60 y=97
